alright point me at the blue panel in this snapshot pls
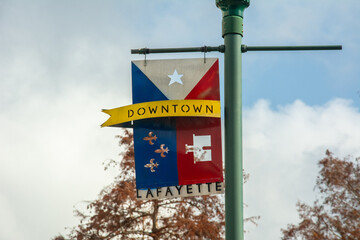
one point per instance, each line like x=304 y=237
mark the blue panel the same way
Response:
x=165 y=174
x=143 y=90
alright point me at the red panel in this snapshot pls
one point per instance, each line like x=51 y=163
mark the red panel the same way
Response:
x=208 y=86
x=190 y=172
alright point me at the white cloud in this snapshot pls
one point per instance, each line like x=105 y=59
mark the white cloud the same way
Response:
x=51 y=158
x=281 y=149
x=8 y=222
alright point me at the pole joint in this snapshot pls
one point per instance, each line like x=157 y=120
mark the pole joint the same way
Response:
x=232 y=25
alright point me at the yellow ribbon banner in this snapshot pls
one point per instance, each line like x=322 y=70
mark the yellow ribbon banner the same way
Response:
x=168 y=108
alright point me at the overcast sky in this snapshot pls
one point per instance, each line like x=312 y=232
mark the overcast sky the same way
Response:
x=61 y=62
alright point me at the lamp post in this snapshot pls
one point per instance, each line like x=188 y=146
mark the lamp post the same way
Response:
x=232 y=32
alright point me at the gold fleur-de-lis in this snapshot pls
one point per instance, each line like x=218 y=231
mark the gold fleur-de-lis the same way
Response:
x=151 y=165
x=150 y=138
x=162 y=150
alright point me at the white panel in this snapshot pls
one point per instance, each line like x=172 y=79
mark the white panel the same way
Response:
x=158 y=72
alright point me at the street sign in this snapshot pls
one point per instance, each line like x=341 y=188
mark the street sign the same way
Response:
x=177 y=127
x=171 y=152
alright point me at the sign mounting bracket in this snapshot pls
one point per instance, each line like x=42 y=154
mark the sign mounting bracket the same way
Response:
x=244 y=49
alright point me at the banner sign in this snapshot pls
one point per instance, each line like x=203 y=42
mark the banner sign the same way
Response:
x=177 y=127
x=176 y=151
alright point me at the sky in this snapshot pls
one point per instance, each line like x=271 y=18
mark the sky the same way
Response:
x=61 y=62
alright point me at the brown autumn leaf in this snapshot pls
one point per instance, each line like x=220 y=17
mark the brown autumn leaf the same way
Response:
x=117 y=214
x=335 y=215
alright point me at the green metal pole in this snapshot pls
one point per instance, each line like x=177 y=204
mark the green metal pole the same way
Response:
x=232 y=33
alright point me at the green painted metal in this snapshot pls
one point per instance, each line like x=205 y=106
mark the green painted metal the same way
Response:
x=233 y=138
x=244 y=48
x=232 y=7
x=220 y=48
x=234 y=217
x=232 y=24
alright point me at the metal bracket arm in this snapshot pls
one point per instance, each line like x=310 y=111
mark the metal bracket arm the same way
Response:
x=244 y=48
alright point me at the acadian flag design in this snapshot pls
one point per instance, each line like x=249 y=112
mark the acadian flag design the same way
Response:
x=173 y=151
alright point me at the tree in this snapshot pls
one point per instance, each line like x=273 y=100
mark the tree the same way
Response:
x=336 y=212
x=116 y=214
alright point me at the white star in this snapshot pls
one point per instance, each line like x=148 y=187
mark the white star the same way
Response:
x=175 y=78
